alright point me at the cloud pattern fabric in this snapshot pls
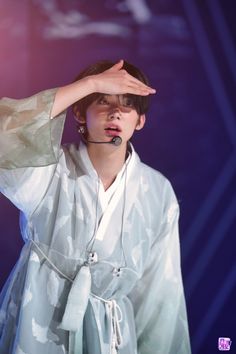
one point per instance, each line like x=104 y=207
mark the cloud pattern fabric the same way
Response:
x=136 y=295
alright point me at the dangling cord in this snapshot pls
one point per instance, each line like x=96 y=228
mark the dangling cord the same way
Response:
x=116 y=339
x=124 y=207
x=114 y=314
x=90 y=243
x=123 y=217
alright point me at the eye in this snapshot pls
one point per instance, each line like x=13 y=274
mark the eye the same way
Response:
x=103 y=101
x=128 y=102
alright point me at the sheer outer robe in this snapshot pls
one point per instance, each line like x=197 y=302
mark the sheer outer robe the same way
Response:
x=56 y=189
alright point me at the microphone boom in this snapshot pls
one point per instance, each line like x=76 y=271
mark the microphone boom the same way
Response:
x=116 y=140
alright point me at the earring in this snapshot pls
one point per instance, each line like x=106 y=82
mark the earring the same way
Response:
x=82 y=129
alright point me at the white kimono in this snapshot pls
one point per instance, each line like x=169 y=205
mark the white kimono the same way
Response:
x=124 y=241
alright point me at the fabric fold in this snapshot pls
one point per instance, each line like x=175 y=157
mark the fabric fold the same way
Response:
x=28 y=135
x=77 y=301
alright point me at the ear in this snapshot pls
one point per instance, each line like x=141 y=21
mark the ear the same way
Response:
x=78 y=117
x=141 y=122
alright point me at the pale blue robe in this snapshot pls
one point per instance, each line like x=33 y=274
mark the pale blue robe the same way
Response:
x=62 y=204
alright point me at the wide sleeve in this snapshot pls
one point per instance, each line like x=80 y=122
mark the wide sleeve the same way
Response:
x=28 y=135
x=158 y=297
x=29 y=147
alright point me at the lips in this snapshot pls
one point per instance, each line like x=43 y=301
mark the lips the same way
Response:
x=112 y=130
x=113 y=127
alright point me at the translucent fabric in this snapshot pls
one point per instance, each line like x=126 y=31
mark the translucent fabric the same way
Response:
x=135 y=303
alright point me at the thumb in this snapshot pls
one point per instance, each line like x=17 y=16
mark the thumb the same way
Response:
x=117 y=66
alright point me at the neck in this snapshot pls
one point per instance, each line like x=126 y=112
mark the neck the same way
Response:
x=107 y=161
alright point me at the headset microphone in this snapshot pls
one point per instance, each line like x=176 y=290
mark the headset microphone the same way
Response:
x=116 y=140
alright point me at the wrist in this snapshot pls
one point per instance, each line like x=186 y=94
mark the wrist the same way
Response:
x=90 y=84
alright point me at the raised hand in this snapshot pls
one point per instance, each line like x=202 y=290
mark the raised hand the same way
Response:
x=114 y=81
x=117 y=81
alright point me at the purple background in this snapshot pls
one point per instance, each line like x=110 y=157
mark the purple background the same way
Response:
x=187 y=49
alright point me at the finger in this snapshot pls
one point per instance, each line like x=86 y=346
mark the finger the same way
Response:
x=117 y=66
x=139 y=85
x=137 y=82
x=135 y=90
x=133 y=80
x=145 y=88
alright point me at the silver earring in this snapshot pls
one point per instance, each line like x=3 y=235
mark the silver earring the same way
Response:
x=82 y=129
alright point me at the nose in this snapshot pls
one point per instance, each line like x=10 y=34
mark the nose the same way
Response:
x=114 y=114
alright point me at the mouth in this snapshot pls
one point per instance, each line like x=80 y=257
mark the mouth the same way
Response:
x=112 y=130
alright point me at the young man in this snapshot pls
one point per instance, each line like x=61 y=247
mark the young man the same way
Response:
x=100 y=269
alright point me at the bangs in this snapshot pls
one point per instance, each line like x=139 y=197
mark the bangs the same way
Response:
x=140 y=103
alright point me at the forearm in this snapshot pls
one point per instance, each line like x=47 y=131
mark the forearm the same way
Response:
x=69 y=94
x=113 y=81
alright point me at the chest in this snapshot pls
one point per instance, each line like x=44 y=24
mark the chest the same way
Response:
x=71 y=221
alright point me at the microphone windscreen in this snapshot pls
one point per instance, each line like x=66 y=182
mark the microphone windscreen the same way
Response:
x=116 y=140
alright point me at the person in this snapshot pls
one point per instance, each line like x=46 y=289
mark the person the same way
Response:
x=99 y=272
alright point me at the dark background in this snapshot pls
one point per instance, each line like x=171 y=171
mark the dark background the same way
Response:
x=187 y=49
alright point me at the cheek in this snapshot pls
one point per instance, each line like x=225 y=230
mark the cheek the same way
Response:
x=134 y=122
x=92 y=120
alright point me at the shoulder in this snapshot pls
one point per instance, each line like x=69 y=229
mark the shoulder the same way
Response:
x=155 y=177
x=157 y=187
x=161 y=193
x=153 y=180
x=152 y=173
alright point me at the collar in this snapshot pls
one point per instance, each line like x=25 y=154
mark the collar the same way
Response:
x=87 y=165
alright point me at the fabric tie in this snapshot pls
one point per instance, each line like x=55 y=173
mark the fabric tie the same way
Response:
x=77 y=303
x=114 y=315
x=116 y=339
x=77 y=300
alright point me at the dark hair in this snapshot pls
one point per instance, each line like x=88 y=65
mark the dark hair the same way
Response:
x=140 y=103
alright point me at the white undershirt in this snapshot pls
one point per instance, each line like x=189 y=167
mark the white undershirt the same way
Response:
x=106 y=196
x=108 y=199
